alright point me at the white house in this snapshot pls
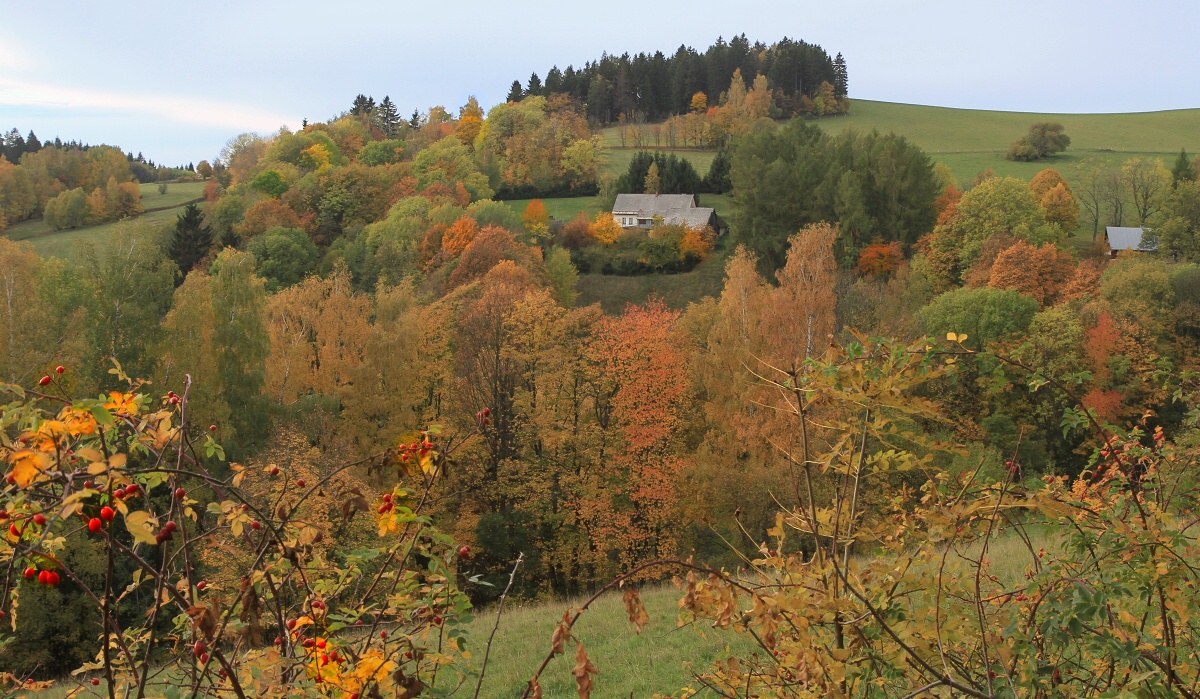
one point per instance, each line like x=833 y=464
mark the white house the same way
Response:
x=640 y=210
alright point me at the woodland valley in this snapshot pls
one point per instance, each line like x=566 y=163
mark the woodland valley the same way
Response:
x=395 y=406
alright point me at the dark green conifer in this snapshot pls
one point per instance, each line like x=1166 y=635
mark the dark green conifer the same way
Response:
x=192 y=239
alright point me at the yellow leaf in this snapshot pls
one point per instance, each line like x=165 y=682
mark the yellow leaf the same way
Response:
x=141 y=525
x=89 y=454
x=28 y=465
x=951 y=337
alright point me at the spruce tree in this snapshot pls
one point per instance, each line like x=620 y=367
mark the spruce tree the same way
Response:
x=362 y=105
x=191 y=240
x=1182 y=172
x=32 y=144
x=535 y=85
x=388 y=116
x=515 y=93
x=717 y=179
x=841 y=79
x=414 y=122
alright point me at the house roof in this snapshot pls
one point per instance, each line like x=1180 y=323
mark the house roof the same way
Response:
x=1126 y=238
x=695 y=217
x=651 y=205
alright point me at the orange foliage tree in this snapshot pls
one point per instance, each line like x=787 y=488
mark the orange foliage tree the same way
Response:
x=1039 y=273
x=266 y=214
x=458 y=236
x=645 y=377
x=880 y=259
x=536 y=219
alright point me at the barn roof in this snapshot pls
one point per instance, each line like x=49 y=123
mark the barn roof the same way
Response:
x=1127 y=238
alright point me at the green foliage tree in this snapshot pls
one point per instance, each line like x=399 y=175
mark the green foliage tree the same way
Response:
x=283 y=256
x=388 y=117
x=716 y=180
x=984 y=314
x=998 y=205
x=191 y=239
x=563 y=276
x=132 y=280
x=787 y=177
x=382 y=152
x=1044 y=138
x=240 y=341
x=675 y=175
x=1182 y=170
x=1176 y=229
x=270 y=183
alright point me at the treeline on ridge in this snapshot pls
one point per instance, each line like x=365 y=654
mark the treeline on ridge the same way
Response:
x=652 y=87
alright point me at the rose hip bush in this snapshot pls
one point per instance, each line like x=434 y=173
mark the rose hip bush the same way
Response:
x=284 y=616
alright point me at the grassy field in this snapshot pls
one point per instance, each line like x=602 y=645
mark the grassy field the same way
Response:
x=613 y=292
x=658 y=660
x=972 y=140
x=51 y=243
x=561 y=209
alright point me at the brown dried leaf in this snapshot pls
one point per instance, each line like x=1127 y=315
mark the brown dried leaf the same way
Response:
x=410 y=687
x=725 y=598
x=535 y=689
x=583 y=671
x=204 y=622
x=251 y=614
x=355 y=502
x=561 y=633
x=635 y=610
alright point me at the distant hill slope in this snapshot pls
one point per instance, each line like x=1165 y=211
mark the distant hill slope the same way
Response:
x=947 y=129
x=160 y=208
x=972 y=140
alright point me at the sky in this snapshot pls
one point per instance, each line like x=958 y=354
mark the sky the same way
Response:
x=177 y=80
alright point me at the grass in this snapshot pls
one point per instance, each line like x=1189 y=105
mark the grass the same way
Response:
x=658 y=660
x=561 y=209
x=972 y=140
x=613 y=292
x=163 y=208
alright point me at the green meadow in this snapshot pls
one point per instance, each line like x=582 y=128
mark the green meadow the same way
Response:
x=970 y=141
x=160 y=208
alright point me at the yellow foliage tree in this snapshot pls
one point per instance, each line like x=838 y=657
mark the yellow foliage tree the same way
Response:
x=604 y=229
x=1061 y=208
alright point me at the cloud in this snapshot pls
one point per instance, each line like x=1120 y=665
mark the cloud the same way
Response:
x=183 y=109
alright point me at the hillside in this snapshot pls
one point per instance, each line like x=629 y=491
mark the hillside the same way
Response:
x=971 y=140
x=160 y=208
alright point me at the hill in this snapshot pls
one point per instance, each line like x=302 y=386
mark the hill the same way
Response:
x=160 y=208
x=972 y=140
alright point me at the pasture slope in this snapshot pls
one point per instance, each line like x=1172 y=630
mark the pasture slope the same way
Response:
x=160 y=208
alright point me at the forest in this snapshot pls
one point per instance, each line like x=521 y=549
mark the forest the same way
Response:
x=282 y=446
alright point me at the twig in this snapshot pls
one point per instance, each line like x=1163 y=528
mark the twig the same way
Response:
x=499 y=610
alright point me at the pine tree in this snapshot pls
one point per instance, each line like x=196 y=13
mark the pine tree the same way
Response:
x=1182 y=172
x=841 y=78
x=191 y=240
x=32 y=144
x=414 y=122
x=362 y=105
x=717 y=179
x=388 y=116
x=515 y=93
x=535 y=85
